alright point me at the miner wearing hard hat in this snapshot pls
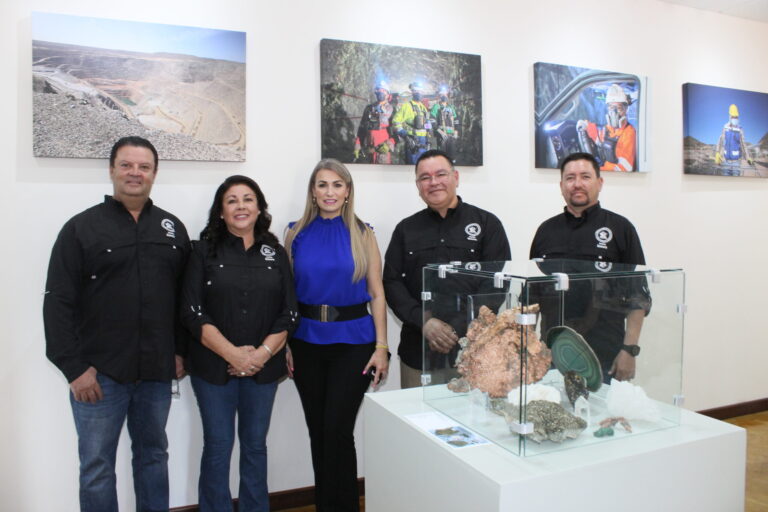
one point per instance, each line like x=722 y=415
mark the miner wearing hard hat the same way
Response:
x=616 y=142
x=731 y=148
x=411 y=124
x=374 y=143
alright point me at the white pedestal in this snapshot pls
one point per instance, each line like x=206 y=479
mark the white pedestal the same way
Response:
x=698 y=466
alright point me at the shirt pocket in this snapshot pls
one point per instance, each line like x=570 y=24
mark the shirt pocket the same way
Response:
x=420 y=252
x=163 y=256
x=463 y=250
x=108 y=258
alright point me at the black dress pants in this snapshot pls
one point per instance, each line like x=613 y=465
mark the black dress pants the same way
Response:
x=331 y=387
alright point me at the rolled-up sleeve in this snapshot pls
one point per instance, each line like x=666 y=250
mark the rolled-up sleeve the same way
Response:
x=288 y=318
x=192 y=310
x=399 y=299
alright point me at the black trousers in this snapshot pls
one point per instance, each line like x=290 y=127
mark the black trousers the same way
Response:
x=331 y=387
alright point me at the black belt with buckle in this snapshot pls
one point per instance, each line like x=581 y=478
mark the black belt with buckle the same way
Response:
x=326 y=313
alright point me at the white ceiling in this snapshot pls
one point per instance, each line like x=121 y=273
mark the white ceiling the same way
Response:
x=756 y=10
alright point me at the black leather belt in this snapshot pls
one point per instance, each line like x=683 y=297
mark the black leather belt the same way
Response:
x=326 y=313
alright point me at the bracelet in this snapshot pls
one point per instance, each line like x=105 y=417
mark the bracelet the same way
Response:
x=271 y=354
x=380 y=345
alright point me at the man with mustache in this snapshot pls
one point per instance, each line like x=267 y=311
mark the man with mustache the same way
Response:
x=610 y=318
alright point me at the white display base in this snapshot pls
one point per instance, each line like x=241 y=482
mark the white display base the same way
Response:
x=699 y=466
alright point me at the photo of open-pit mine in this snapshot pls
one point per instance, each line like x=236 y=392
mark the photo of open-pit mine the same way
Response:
x=182 y=88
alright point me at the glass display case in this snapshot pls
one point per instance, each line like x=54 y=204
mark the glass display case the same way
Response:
x=546 y=355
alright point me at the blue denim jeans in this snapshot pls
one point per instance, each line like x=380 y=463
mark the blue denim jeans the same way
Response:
x=146 y=405
x=252 y=403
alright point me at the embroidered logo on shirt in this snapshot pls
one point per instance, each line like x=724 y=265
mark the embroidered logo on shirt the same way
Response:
x=472 y=230
x=473 y=265
x=603 y=236
x=169 y=227
x=268 y=253
x=603 y=266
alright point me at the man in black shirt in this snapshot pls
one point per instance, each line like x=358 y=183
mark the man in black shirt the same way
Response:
x=585 y=231
x=448 y=230
x=111 y=327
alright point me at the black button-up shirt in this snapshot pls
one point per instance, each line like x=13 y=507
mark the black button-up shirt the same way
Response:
x=598 y=235
x=111 y=293
x=466 y=234
x=247 y=295
x=596 y=308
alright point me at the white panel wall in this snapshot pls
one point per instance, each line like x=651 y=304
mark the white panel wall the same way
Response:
x=711 y=227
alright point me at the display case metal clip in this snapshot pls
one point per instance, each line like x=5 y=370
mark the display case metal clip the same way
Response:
x=682 y=308
x=655 y=275
x=521 y=428
x=426 y=379
x=498 y=279
x=444 y=269
x=525 y=319
x=562 y=283
x=678 y=400
x=425 y=296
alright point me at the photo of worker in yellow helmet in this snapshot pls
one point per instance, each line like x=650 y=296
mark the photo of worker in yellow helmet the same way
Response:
x=739 y=147
x=387 y=105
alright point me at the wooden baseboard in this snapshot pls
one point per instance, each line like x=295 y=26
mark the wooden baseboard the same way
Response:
x=731 y=411
x=281 y=500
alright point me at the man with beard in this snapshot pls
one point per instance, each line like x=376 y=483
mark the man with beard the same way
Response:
x=610 y=319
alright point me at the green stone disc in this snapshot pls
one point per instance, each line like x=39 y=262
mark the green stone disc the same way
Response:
x=570 y=351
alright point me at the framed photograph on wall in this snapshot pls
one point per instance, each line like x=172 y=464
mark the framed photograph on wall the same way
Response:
x=385 y=104
x=96 y=80
x=725 y=131
x=589 y=110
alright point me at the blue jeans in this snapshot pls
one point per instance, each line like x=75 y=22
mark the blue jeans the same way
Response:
x=252 y=403
x=146 y=405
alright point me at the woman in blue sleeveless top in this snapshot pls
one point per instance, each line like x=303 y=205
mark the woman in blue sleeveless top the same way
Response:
x=339 y=345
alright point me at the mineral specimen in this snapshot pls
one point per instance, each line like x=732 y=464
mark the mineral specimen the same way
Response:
x=575 y=386
x=493 y=353
x=604 y=432
x=611 y=422
x=629 y=401
x=550 y=421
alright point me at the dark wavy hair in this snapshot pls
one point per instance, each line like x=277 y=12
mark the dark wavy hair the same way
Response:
x=215 y=230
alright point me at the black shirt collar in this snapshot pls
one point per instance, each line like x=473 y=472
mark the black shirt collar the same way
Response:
x=450 y=211
x=592 y=210
x=114 y=203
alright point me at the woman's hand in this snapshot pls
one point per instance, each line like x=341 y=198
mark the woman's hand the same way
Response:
x=380 y=361
x=246 y=361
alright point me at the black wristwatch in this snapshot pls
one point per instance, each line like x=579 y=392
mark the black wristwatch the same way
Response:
x=632 y=349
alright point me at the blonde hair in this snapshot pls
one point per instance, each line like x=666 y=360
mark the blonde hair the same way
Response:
x=359 y=232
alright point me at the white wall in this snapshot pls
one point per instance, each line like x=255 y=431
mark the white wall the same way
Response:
x=711 y=227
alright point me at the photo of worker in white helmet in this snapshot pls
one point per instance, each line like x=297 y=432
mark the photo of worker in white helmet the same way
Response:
x=582 y=110
x=737 y=148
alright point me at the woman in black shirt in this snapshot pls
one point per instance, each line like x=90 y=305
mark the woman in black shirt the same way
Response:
x=239 y=304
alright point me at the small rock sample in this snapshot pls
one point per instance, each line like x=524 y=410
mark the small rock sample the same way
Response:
x=575 y=386
x=604 y=432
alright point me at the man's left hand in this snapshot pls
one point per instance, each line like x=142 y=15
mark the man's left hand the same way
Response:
x=623 y=367
x=180 y=372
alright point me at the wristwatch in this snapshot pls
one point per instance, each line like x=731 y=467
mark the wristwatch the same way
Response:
x=632 y=349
